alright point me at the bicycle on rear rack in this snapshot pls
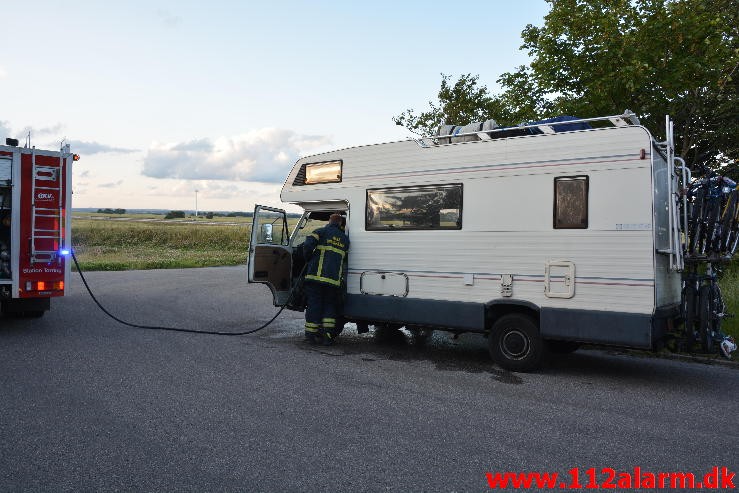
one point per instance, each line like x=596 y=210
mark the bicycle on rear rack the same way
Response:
x=713 y=211
x=712 y=237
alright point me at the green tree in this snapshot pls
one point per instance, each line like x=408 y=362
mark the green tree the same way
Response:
x=599 y=57
x=462 y=102
x=175 y=215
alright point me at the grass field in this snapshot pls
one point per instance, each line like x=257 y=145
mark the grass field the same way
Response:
x=158 y=217
x=124 y=245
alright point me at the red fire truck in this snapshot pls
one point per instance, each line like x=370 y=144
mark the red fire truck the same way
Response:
x=35 y=227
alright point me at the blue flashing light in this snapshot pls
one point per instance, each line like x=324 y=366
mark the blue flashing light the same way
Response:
x=64 y=251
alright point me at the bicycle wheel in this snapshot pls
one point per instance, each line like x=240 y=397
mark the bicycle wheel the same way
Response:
x=695 y=227
x=730 y=224
x=705 y=310
x=689 y=309
x=710 y=324
x=708 y=242
x=733 y=241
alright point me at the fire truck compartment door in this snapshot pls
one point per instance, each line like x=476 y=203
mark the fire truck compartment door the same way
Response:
x=270 y=257
x=6 y=171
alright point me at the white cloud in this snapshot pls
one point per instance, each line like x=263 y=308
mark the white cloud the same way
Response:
x=36 y=132
x=168 y=18
x=111 y=184
x=42 y=132
x=264 y=155
x=4 y=130
x=214 y=189
x=55 y=131
x=213 y=195
x=93 y=147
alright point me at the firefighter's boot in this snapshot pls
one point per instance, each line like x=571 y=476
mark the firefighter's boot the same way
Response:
x=327 y=338
x=312 y=333
x=328 y=327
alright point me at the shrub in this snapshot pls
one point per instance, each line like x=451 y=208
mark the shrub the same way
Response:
x=175 y=215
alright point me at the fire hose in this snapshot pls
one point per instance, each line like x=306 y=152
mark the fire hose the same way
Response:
x=178 y=329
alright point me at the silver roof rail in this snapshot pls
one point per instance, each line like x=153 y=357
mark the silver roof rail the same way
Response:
x=628 y=117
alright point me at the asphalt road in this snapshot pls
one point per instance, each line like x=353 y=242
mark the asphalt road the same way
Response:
x=89 y=405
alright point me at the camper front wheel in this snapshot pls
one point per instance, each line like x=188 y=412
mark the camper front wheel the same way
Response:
x=515 y=344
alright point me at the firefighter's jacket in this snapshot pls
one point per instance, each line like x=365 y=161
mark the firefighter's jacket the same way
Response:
x=325 y=250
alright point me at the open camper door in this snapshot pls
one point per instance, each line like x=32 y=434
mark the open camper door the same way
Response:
x=270 y=257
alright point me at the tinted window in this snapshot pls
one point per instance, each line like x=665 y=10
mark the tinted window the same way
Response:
x=422 y=207
x=571 y=202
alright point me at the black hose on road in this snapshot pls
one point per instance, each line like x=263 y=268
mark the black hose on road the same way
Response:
x=171 y=329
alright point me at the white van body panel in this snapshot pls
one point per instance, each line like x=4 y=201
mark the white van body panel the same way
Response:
x=507 y=220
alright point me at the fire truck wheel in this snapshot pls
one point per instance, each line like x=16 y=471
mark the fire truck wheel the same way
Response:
x=25 y=308
x=515 y=343
x=25 y=314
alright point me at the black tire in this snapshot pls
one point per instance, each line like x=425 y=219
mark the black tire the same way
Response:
x=389 y=334
x=733 y=242
x=727 y=212
x=713 y=227
x=706 y=317
x=729 y=224
x=515 y=344
x=25 y=308
x=420 y=335
x=563 y=347
x=25 y=314
x=689 y=305
x=696 y=220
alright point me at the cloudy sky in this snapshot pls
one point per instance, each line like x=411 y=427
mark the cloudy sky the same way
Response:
x=162 y=98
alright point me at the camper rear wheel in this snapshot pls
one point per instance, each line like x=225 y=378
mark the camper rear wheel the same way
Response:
x=515 y=343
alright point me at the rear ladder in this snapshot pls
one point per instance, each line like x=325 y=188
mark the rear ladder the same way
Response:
x=47 y=223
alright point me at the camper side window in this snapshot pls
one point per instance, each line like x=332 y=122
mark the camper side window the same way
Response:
x=571 y=202
x=408 y=208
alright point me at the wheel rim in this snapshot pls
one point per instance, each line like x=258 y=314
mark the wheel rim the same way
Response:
x=515 y=344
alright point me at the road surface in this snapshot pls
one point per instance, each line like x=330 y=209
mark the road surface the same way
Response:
x=89 y=405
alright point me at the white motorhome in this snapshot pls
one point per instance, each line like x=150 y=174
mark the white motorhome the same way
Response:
x=541 y=236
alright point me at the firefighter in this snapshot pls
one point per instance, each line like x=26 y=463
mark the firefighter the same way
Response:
x=325 y=252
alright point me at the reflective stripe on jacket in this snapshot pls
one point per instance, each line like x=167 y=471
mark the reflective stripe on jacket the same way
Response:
x=326 y=250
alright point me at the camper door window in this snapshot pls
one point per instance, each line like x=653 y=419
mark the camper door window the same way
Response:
x=412 y=208
x=306 y=226
x=272 y=229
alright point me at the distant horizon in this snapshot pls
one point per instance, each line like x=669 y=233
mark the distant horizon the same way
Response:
x=144 y=210
x=164 y=211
